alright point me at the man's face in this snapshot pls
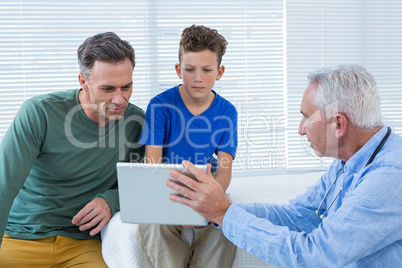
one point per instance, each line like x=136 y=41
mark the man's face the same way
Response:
x=316 y=126
x=109 y=89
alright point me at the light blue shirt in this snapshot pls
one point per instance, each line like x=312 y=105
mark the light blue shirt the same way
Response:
x=363 y=228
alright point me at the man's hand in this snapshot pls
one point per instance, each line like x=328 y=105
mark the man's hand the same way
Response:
x=205 y=196
x=97 y=212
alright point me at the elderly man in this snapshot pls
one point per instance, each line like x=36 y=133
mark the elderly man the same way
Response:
x=58 y=162
x=352 y=217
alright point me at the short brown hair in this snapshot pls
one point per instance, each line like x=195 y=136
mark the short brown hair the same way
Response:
x=106 y=47
x=199 y=38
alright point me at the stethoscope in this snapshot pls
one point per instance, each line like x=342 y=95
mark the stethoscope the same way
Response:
x=322 y=216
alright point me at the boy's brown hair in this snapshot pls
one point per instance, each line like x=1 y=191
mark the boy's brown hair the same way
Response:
x=199 y=38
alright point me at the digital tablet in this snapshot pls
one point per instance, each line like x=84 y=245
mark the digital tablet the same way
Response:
x=144 y=196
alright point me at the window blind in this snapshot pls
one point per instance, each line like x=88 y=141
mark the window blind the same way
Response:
x=325 y=33
x=272 y=47
x=40 y=38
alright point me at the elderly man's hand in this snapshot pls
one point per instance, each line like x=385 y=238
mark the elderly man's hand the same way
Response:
x=95 y=213
x=205 y=196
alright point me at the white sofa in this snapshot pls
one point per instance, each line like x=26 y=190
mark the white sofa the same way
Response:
x=119 y=244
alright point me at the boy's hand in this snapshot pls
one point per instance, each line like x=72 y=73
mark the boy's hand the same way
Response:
x=205 y=196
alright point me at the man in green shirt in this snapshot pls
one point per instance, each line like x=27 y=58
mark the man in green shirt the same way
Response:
x=58 y=184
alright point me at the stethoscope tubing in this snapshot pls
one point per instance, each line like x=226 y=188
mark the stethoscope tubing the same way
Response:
x=322 y=216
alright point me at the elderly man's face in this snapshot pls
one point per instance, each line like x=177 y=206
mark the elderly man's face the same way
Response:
x=316 y=126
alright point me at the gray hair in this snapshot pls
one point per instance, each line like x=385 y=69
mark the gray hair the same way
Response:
x=107 y=47
x=350 y=90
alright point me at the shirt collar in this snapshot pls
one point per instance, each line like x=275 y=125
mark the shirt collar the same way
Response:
x=360 y=158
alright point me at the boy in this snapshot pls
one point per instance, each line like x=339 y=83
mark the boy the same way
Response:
x=191 y=122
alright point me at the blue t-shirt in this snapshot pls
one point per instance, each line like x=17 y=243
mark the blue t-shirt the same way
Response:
x=170 y=124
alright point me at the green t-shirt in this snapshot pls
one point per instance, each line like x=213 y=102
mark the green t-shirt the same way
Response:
x=54 y=160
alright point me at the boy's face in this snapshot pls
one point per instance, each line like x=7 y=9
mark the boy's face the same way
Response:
x=199 y=71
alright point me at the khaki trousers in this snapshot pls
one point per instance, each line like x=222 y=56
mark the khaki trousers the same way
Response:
x=56 y=251
x=163 y=247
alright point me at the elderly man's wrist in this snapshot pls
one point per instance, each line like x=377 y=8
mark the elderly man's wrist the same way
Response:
x=222 y=214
